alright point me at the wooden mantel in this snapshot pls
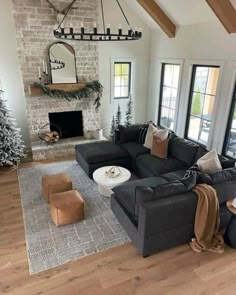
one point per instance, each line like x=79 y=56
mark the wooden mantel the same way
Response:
x=36 y=91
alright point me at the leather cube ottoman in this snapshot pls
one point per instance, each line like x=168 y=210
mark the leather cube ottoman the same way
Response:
x=55 y=183
x=67 y=207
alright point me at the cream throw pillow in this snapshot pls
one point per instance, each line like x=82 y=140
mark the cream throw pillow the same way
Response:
x=161 y=134
x=209 y=163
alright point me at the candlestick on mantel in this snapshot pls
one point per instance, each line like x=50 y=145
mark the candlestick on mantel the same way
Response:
x=44 y=69
x=39 y=73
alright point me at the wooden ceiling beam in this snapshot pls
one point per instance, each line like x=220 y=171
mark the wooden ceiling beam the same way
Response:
x=159 y=16
x=225 y=12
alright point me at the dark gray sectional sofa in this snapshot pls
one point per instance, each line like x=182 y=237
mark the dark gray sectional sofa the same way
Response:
x=158 y=208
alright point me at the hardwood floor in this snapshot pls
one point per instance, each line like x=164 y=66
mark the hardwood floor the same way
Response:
x=119 y=270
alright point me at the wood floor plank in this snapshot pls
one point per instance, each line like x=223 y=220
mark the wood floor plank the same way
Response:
x=116 y=271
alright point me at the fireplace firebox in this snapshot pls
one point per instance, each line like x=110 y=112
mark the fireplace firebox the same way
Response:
x=70 y=123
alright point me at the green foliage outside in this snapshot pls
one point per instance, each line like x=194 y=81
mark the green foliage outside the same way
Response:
x=197 y=103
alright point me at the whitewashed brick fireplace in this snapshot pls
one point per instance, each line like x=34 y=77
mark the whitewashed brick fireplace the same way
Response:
x=34 y=22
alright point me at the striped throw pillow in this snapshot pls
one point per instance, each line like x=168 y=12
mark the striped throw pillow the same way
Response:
x=142 y=135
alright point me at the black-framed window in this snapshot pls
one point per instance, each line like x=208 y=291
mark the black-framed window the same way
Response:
x=230 y=135
x=122 y=79
x=201 y=102
x=168 y=94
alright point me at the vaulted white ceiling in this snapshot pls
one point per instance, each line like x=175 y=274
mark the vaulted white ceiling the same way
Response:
x=181 y=12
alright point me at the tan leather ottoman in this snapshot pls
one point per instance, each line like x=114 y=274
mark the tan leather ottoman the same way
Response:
x=67 y=207
x=55 y=183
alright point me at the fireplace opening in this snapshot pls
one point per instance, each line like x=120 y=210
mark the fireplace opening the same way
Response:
x=70 y=123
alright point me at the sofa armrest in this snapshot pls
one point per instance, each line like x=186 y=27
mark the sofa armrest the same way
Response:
x=167 y=214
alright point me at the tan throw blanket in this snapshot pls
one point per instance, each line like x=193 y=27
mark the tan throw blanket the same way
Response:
x=207 y=221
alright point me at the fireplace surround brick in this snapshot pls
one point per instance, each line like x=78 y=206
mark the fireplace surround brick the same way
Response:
x=34 y=22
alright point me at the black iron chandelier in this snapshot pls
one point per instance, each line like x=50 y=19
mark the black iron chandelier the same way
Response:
x=106 y=35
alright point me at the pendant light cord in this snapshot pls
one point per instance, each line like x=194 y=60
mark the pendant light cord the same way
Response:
x=121 y=9
x=68 y=10
x=103 y=19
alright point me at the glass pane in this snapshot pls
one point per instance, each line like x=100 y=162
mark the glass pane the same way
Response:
x=168 y=75
x=166 y=96
x=167 y=117
x=201 y=78
x=204 y=131
x=231 y=146
x=116 y=91
x=124 y=91
x=117 y=69
x=125 y=69
x=124 y=80
x=197 y=104
x=173 y=98
x=117 y=81
x=176 y=69
x=213 y=76
x=208 y=107
x=194 y=128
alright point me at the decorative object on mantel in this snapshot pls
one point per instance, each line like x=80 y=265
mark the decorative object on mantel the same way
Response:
x=11 y=144
x=106 y=35
x=88 y=89
x=113 y=172
x=62 y=63
x=97 y=134
x=49 y=136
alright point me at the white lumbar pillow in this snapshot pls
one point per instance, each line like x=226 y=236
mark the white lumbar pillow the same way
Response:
x=161 y=134
x=209 y=163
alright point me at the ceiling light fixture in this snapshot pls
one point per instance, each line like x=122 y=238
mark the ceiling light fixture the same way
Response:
x=106 y=35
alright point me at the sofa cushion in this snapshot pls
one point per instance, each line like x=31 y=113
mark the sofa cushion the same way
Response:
x=130 y=133
x=225 y=191
x=182 y=149
x=134 y=149
x=171 y=176
x=101 y=152
x=125 y=193
x=223 y=176
x=148 y=165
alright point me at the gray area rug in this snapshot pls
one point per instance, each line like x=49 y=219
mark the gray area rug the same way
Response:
x=49 y=246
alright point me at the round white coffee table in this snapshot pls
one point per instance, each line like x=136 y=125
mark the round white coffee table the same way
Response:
x=106 y=183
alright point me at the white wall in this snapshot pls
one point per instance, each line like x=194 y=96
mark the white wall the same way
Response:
x=137 y=52
x=206 y=43
x=10 y=75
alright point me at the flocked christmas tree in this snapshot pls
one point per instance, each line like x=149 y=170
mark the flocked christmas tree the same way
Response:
x=113 y=129
x=116 y=121
x=118 y=116
x=11 y=144
x=128 y=114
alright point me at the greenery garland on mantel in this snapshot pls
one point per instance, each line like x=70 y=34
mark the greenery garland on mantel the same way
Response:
x=94 y=87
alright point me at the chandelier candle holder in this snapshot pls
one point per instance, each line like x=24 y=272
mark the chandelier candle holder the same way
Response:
x=106 y=34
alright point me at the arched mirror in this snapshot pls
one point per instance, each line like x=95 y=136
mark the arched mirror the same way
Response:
x=62 y=63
